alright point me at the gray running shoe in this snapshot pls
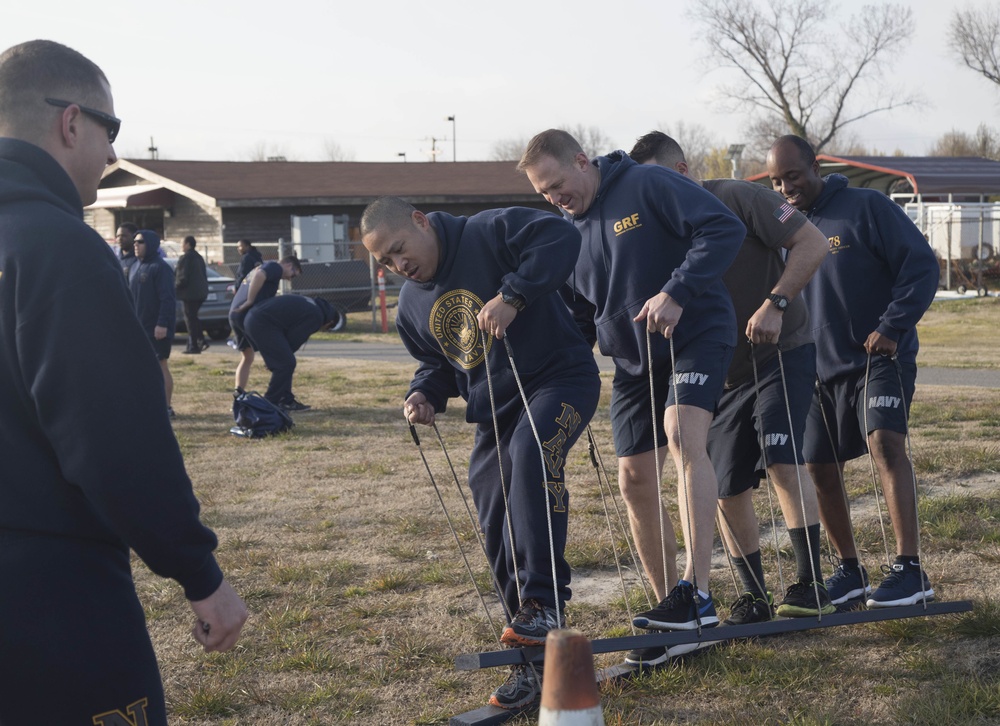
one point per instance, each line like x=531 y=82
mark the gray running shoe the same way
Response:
x=530 y=625
x=522 y=688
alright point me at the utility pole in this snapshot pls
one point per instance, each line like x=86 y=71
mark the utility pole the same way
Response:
x=154 y=153
x=434 y=149
x=454 y=139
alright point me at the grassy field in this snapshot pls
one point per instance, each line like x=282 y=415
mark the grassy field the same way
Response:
x=360 y=600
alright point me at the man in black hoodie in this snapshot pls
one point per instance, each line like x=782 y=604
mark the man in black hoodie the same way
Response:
x=73 y=500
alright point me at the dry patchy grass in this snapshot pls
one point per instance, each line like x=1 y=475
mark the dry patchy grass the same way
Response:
x=360 y=600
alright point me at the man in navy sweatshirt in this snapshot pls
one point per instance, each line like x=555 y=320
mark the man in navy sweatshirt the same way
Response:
x=151 y=282
x=473 y=285
x=876 y=282
x=76 y=371
x=280 y=326
x=655 y=246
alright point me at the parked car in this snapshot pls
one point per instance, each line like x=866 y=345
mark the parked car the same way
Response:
x=214 y=312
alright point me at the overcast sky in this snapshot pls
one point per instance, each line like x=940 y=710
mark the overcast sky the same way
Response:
x=217 y=80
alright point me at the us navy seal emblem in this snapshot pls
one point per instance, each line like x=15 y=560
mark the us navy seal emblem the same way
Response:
x=453 y=323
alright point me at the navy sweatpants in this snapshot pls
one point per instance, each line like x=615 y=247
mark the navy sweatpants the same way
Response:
x=277 y=336
x=561 y=408
x=73 y=647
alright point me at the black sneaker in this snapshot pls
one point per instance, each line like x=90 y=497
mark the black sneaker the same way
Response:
x=905 y=584
x=530 y=625
x=681 y=609
x=191 y=351
x=293 y=405
x=522 y=688
x=801 y=601
x=203 y=345
x=750 y=608
x=847 y=583
x=647 y=657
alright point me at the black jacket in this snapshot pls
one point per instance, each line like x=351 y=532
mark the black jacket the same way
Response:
x=77 y=373
x=191 y=278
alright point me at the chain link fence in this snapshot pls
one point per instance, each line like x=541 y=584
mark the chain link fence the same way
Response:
x=966 y=239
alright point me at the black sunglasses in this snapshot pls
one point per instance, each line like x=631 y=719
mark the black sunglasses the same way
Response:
x=112 y=124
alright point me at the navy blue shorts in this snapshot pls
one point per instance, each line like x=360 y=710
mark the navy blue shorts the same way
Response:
x=243 y=341
x=734 y=439
x=698 y=381
x=842 y=401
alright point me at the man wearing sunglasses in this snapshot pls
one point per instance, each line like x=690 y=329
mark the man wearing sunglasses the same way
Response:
x=73 y=500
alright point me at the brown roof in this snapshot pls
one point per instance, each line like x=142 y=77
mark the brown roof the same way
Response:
x=926 y=174
x=246 y=183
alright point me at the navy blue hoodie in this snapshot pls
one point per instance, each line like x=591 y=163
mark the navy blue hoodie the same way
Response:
x=152 y=284
x=880 y=274
x=525 y=251
x=86 y=448
x=652 y=230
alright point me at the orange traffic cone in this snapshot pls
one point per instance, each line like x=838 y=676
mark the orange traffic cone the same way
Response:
x=569 y=687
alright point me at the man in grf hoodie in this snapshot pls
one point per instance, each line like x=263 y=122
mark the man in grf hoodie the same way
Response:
x=655 y=246
x=876 y=282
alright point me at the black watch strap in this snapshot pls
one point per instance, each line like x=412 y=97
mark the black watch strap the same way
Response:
x=513 y=299
x=779 y=301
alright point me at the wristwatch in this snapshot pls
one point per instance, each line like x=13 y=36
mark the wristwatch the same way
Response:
x=513 y=299
x=779 y=301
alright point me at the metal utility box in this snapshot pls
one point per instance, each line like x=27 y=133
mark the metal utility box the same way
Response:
x=321 y=238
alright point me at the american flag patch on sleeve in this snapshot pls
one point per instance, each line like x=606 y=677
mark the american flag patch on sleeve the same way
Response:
x=784 y=212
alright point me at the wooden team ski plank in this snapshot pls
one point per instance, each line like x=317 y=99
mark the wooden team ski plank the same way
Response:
x=513 y=656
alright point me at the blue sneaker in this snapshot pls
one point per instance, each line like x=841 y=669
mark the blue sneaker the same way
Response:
x=681 y=609
x=848 y=583
x=905 y=584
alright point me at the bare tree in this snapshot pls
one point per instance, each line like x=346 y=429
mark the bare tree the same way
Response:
x=593 y=141
x=790 y=72
x=974 y=35
x=508 y=149
x=333 y=151
x=264 y=151
x=984 y=143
